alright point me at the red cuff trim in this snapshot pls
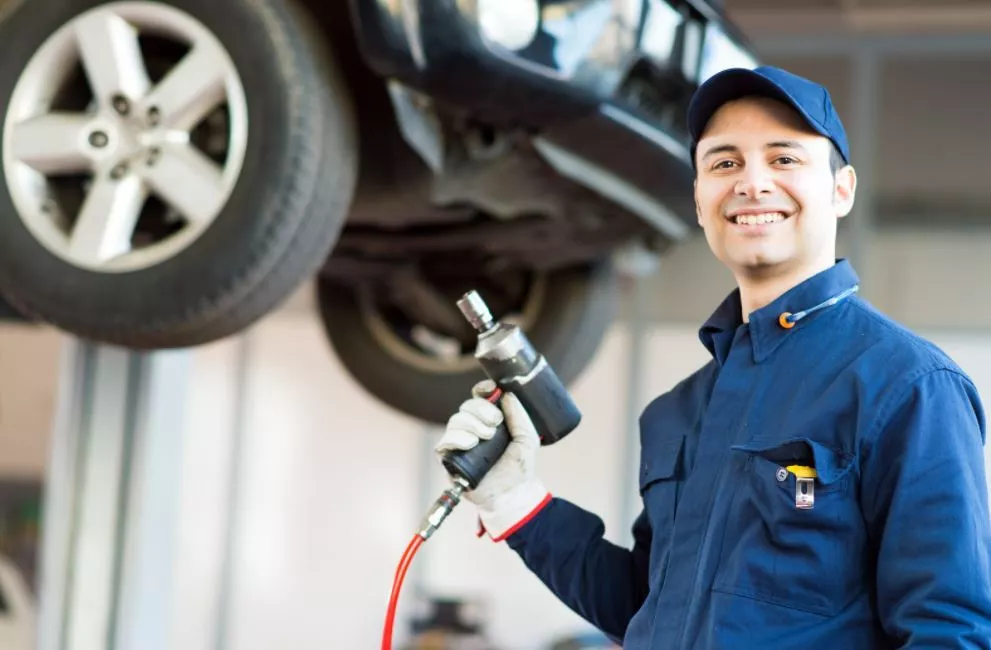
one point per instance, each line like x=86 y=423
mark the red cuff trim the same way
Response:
x=481 y=528
x=525 y=520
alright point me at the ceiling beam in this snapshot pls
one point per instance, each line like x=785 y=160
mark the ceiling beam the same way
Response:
x=827 y=41
x=889 y=29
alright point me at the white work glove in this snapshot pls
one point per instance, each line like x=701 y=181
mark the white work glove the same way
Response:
x=510 y=494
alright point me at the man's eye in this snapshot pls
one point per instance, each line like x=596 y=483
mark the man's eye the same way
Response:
x=724 y=164
x=785 y=160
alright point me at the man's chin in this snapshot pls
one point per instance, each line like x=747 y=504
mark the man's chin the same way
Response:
x=768 y=267
x=763 y=266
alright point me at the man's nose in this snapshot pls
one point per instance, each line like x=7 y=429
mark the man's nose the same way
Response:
x=755 y=182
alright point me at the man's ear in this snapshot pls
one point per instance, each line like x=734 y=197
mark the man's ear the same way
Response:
x=844 y=190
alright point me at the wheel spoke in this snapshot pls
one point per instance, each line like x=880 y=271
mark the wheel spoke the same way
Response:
x=107 y=220
x=111 y=57
x=52 y=143
x=188 y=181
x=190 y=90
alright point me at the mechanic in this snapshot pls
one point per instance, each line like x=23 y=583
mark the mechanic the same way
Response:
x=821 y=481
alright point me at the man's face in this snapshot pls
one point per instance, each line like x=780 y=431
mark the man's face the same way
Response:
x=765 y=193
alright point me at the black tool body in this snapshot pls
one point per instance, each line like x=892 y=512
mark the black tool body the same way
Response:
x=508 y=357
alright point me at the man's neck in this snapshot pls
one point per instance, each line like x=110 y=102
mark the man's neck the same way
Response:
x=757 y=291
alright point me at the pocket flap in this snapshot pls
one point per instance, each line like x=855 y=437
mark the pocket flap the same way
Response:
x=830 y=464
x=660 y=460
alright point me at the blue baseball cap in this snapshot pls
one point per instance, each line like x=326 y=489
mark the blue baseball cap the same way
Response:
x=811 y=100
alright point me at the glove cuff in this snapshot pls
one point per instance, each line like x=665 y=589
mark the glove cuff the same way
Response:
x=512 y=510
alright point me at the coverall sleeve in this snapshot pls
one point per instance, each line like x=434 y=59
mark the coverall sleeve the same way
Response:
x=925 y=500
x=602 y=582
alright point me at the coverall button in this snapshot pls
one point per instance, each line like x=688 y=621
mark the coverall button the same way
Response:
x=782 y=474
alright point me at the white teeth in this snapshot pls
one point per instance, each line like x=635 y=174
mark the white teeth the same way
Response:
x=759 y=219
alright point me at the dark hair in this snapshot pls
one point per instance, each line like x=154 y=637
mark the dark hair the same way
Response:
x=836 y=162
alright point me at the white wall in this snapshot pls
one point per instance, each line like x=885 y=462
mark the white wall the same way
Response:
x=328 y=494
x=926 y=278
x=29 y=361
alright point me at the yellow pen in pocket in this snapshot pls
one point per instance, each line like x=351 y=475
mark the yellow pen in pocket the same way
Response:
x=801 y=471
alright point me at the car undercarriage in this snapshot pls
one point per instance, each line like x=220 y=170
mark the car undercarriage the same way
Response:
x=166 y=185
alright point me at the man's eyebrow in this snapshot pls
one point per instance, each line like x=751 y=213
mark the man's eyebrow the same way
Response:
x=784 y=144
x=721 y=148
x=731 y=148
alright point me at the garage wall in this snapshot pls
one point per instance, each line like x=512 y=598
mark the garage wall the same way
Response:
x=327 y=492
x=29 y=361
x=924 y=277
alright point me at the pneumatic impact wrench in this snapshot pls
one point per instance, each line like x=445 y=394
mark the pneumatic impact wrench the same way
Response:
x=509 y=359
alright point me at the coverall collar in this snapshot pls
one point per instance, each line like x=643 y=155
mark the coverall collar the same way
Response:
x=766 y=332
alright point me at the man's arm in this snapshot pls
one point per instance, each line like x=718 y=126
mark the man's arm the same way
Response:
x=602 y=582
x=925 y=499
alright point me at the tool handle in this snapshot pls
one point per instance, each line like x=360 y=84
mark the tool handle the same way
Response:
x=473 y=464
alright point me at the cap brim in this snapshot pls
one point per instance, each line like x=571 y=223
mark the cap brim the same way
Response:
x=733 y=84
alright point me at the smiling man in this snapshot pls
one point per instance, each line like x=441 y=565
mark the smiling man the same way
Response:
x=821 y=481
x=760 y=163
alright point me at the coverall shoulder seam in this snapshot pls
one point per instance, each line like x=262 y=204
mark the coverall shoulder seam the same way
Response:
x=898 y=396
x=929 y=361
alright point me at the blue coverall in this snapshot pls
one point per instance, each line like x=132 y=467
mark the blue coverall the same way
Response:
x=895 y=551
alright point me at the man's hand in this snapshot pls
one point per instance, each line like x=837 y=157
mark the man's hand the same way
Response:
x=510 y=494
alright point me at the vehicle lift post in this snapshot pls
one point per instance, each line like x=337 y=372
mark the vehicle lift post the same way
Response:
x=112 y=517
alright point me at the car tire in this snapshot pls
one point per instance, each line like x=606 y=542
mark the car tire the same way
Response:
x=8 y=314
x=276 y=227
x=574 y=310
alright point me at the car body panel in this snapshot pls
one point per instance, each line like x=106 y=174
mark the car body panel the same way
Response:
x=580 y=56
x=603 y=86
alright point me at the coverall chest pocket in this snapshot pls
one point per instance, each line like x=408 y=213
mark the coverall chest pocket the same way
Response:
x=660 y=476
x=794 y=543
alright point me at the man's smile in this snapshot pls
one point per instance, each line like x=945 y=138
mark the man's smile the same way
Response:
x=758 y=218
x=751 y=217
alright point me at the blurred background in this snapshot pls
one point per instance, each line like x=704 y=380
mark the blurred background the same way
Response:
x=271 y=505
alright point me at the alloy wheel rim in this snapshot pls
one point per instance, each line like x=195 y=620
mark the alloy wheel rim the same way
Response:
x=136 y=143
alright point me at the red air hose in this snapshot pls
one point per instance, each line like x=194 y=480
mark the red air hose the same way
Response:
x=439 y=511
x=397 y=585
